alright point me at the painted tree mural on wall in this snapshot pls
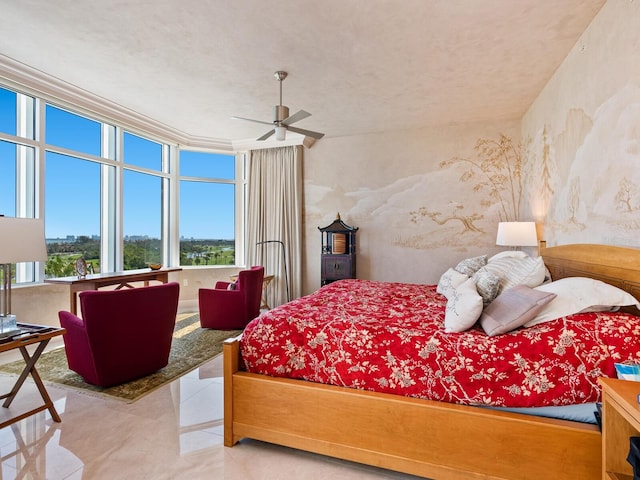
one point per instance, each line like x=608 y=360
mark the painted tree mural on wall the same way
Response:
x=546 y=191
x=455 y=214
x=627 y=192
x=495 y=174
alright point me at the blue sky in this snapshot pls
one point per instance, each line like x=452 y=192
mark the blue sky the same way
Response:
x=72 y=188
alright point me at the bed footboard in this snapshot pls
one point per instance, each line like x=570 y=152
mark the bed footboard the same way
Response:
x=419 y=437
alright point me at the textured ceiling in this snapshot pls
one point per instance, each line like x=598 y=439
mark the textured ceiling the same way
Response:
x=359 y=66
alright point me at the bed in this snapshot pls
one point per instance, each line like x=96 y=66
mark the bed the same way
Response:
x=428 y=438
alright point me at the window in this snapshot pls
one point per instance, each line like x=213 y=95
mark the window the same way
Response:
x=71 y=131
x=72 y=221
x=18 y=165
x=207 y=208
x=7 y=179
x=109 y=194
x=8 y=107
x=141 y=152
x=142 y=215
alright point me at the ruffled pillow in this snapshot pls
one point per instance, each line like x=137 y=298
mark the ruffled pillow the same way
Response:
x=508 y=254
x=514 y=271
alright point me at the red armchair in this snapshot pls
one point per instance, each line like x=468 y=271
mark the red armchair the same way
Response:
x=122 y=335
x=225 y=308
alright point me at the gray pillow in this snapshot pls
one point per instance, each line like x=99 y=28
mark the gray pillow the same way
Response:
x=487 y=285
x=469 y=266
x=513 y=308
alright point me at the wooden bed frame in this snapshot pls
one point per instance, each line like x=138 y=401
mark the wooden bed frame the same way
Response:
x=421 y=437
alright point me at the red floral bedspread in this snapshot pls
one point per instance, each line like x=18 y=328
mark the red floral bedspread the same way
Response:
x=389 y=337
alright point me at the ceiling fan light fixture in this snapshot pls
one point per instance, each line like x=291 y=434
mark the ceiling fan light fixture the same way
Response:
x=280 y=133
x=282 y=120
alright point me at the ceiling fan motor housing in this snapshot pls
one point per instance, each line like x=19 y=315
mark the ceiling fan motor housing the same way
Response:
x=280 y=112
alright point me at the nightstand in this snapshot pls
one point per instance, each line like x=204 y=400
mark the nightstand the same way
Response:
x=620 y=420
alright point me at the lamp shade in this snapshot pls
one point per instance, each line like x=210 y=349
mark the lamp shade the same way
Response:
x=22 y=240
x=517 y=234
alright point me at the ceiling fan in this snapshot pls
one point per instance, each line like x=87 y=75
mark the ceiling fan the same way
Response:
x=281 y=119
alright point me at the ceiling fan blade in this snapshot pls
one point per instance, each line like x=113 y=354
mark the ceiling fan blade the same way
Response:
x=251 y=120
x=307 y=133
x=267 y=135
x=296 y=117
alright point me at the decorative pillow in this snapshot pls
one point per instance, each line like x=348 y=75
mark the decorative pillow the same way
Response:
x=514 y=271
x=469 y=266
x=487 y=285
x=513 y=308
x=463 y=308
x=580 y=294
x=449 y=281
x=508 y=254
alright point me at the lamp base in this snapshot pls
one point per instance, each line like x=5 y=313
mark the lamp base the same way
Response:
x=8 y=325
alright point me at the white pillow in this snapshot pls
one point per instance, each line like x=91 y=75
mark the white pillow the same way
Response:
x=514 y=271
x=464 y=307
x=449 y=281
x=580 y=294
x=508 y=254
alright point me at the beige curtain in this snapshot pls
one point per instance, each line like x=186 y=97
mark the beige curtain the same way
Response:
x=274 y=216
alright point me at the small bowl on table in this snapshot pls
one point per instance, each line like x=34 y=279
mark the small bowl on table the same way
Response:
x=155 y=266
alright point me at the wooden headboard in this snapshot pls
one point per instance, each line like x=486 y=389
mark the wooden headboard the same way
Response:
x=618 y=266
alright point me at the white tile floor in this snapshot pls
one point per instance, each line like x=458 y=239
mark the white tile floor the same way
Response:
x=173 y=433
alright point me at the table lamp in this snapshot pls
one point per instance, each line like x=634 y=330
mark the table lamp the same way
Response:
x=517 y=234
x=21 y=240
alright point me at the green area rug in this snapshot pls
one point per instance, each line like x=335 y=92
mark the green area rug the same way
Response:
x=191 y=347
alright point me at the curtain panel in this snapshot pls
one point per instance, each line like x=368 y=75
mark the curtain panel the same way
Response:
x=274 y=219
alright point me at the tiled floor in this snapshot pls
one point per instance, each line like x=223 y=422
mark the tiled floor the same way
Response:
x=172 y=433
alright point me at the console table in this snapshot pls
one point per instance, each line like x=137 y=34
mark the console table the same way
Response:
x=29 y=335
x=99 y=280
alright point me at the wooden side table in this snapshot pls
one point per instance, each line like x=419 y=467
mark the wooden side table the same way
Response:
x=620 y=420
x=29 y=335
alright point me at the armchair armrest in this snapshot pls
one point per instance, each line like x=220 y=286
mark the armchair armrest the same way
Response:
x=79 y=356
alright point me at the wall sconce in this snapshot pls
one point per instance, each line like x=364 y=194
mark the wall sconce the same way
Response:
x=21 y=240
x=517 y=234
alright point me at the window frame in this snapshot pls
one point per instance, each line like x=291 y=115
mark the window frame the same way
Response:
x=112 y=169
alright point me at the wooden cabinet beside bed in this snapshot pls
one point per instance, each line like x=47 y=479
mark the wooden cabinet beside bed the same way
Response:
x=432 y=439
x=621 y=420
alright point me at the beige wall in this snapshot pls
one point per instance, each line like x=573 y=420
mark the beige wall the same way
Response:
x=585 y=132
x=381 y=182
